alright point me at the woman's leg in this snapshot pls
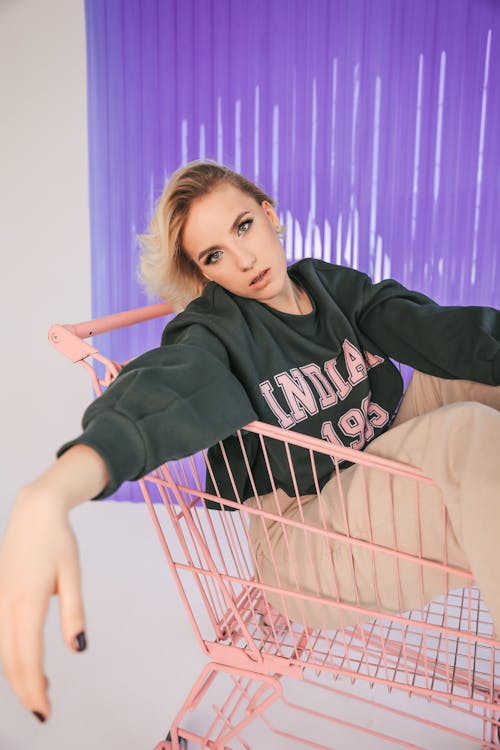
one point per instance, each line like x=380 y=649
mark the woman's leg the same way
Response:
x=457 y=447
x=426 y=393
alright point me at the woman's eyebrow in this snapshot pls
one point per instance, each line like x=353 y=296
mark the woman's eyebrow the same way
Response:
x=233 y=228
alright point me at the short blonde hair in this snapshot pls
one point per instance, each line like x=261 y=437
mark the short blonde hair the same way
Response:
x=165 y=268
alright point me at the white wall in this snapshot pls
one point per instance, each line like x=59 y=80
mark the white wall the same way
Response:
x=98 y=697
x=44 y=229
x=44 y=249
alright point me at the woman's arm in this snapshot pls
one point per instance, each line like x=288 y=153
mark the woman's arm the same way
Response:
x=166 y=404
x=169 y=403
x=39 y=558
x=445 y=341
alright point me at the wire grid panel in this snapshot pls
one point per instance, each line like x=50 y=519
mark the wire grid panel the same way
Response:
x=265 y=597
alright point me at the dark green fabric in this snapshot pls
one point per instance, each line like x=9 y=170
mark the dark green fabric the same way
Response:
x=223 y=352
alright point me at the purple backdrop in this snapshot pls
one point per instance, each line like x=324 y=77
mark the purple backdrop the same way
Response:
x=375 y=124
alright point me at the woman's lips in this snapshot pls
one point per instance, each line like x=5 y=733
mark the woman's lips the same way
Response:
x=261 y=279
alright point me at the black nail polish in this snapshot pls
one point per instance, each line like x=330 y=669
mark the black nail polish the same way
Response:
x=81 y=641
x=39 y=716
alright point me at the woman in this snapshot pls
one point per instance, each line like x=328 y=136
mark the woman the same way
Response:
x=305 y=348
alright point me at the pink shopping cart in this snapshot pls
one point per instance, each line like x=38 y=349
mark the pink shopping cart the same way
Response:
x=290 y=665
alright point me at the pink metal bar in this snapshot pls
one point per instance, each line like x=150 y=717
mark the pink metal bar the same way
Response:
x=119 y=320
x=338 y=452
x=67 y=338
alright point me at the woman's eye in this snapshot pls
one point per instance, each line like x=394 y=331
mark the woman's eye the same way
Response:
x=244 y=226
x=213 y=257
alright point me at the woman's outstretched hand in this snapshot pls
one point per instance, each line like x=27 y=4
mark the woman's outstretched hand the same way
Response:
x=39 y=558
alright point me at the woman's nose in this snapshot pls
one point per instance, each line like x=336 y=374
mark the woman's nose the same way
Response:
x=246 y=260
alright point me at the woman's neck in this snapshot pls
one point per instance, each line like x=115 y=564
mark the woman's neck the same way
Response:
x=302 y=301
x=294 y=300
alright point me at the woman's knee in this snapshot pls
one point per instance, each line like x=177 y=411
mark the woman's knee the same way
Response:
x=471 y=413
x=471 y=432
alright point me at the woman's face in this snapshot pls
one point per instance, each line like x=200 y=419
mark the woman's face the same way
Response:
x=233 y=240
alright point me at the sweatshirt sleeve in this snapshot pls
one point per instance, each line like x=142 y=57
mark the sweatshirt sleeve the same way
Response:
x=448 y=342
x=168 y=403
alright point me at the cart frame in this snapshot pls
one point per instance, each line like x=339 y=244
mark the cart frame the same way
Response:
x=445 y=652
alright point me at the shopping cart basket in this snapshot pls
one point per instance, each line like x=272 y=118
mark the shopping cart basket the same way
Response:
x=290 y=665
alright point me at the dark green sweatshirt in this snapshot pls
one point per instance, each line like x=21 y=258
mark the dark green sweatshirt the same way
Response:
x=227 y=360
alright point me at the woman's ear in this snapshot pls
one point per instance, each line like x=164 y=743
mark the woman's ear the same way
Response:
x=271 y=215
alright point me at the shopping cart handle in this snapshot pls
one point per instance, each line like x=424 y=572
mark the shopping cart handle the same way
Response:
x=68 y=339
x=119 y=320
x=66 y=342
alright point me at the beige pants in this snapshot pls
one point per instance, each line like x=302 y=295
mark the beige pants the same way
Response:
x=450 y=430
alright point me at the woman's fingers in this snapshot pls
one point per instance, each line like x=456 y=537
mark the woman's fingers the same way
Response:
x=32 y=685
x=70 y=599
x=21 y=649
x=39 y=558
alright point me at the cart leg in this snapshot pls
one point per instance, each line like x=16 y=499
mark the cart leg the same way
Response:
x=169 y=743
x=252 y=693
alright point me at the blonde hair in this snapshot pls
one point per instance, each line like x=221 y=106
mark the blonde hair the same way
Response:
x=165 y=268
